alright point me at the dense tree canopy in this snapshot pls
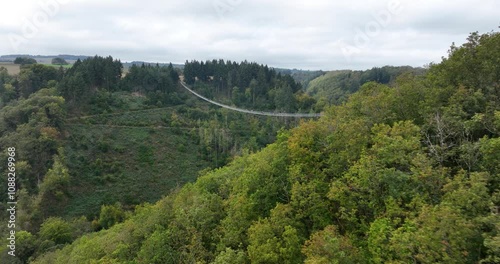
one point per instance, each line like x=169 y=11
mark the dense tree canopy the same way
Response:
x=59 y=61
x=85 y=78
x=157 y=83
x=24 y=60
x=334 y=87
x=399 y=173
x=247 y=85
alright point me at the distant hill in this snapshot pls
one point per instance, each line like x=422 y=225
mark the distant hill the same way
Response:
x=401 y=173
x=301 y=76
x=47 y=59
x=138 y=63
x=127 y=65
x=334 y=87
x=43 y=58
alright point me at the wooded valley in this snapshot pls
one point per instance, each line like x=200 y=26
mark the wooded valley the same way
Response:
x=114 y=167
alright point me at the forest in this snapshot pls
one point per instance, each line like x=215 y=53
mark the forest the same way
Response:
x=247 y=85
x=403 y=166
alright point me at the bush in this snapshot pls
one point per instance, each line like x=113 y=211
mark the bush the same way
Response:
x=110 y=215
x=57 y=230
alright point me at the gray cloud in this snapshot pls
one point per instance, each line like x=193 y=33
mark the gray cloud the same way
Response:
x=292 y=34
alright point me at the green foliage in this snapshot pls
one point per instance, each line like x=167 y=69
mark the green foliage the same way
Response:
x=247 y=85
x=438 y=235
x=56 y=180
x=82 y=81
x=25 y=245
x=33 y=127
x=145 y=155
x=304 y=77
x=24 y=60
x=59 y=61
x=492 y=238
x=56 y=230
x=7 y=90
x=378 y=240
x=131 y=160
x=157 y=83
x=110 y=215
x=118 y=244
x=329 y=247
x=404 y=172
x=334 y=87
x=275 y=239
x=54 y=189
x=230 y=256
x=157 y=249
x=35 y=77
x=490 y=150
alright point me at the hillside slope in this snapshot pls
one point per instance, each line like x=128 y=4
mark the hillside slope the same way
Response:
x=92 y=144
x=334 y=87
x=406 y=173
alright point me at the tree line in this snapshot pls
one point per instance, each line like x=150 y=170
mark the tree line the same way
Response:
x=38 y=109
x=333 y=88
x=247 y=85
x=399 y=173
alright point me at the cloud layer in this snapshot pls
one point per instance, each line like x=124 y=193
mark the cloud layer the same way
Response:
x=316 y=34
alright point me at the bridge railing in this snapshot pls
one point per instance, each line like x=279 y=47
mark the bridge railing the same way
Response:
x=252 y=112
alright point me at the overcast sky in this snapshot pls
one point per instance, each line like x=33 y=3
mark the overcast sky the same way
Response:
x=312 y=34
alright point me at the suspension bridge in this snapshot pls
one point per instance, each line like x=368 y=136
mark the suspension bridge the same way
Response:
x=252 y=112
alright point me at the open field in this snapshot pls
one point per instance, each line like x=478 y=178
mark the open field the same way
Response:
x=11 y=68
x=14 y=69
x=67 y=66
